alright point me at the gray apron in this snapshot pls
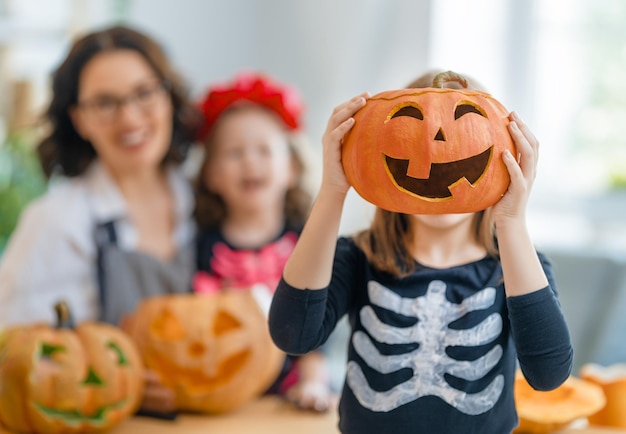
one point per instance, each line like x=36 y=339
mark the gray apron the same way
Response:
x=126 y=277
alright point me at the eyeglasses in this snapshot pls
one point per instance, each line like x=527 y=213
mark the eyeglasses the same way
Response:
x=106 y=107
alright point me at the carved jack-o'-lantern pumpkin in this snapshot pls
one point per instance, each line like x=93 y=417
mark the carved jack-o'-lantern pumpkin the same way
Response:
x=213 y=350
x=429 y=151
x=68 y=380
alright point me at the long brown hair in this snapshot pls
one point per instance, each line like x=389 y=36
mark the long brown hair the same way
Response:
x=63 y=150
x=387 y=242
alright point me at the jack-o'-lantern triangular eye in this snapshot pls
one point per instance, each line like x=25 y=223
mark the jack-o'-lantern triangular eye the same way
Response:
x=225 y=322
x=167 y=327
x=410 y=111
x=465 y=107
x=46 y=351
x=121 y=357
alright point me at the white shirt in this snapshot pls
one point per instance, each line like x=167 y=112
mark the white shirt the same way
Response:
x=52 y=253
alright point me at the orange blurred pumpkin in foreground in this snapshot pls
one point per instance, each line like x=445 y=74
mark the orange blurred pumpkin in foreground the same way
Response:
x=546 y=412
x=68 y=379
x=429 y=151
x=612 y=379
x=213 y=350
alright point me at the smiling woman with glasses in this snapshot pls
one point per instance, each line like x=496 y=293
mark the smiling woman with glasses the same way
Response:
x=116 y=225
x=68 y=153
x=106 y=107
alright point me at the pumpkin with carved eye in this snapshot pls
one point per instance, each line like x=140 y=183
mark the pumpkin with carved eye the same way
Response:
x=432 y=150
x=213 y=350
x=68 y=379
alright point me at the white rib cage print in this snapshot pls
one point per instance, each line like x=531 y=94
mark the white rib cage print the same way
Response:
x=429 y=361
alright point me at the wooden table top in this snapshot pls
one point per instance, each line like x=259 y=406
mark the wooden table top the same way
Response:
x=268 y=415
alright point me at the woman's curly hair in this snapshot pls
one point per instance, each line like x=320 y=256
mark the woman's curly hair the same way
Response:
x=63 y=150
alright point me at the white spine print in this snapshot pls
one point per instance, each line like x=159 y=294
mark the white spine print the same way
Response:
x=429 y=361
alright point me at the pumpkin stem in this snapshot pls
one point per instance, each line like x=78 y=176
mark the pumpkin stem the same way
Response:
x=64 y=315
x=448 y=76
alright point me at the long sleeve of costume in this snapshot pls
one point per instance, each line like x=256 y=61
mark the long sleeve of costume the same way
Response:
x=541 y=335
x=302 y=320
x=431 y=352
x=296 y=317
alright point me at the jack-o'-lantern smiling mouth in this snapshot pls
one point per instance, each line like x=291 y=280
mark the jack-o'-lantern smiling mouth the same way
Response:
x=198 y=379
x=76 y=416
x=442 y=175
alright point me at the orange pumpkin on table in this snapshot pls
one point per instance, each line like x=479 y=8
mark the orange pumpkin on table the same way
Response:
x=213 y=350
x=68 y=379
x=546 y=412
x=433 y=150
x=612 y=380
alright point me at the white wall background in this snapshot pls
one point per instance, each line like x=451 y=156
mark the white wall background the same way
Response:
x=331 y=50
x=528 y=53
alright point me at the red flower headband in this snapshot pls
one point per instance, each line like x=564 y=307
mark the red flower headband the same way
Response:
x=255 y=88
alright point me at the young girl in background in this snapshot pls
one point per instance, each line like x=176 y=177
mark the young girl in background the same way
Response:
x=438 y=311
x=251 y=205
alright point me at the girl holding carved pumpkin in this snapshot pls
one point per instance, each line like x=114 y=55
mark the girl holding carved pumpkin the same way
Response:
x=440 y=308
x=116 y=224
x=251 y=205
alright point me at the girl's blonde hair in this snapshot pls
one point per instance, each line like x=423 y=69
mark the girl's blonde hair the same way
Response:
x=387 y=242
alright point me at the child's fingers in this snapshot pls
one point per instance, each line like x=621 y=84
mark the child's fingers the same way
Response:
x=346 y=110
x=526 y=149
x=336 y=134
x=341 y=130
x=159 y=399
x=151 y=377
x=526 y=132
x=523 y=127
x=354 y=101
x=515 y=172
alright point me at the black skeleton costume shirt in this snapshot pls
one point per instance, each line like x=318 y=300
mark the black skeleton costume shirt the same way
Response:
x=433 y=352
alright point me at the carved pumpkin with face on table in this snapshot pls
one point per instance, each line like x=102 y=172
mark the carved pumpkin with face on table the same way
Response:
x=433 y=150
x=68 y=379
x=214 y=350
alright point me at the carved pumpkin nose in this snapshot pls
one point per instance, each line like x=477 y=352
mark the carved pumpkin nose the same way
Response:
x=197 y=349
x=440 y=136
